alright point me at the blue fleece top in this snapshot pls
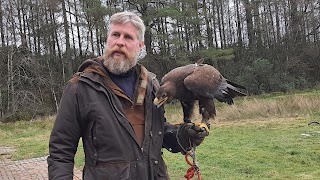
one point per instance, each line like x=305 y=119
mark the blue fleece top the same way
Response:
x=126 y=81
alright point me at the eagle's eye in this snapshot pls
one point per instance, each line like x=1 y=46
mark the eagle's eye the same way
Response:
x=164 y=95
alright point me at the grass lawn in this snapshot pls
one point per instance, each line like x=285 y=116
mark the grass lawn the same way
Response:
x=266 y=149
x=268 y=145
x=246 y=149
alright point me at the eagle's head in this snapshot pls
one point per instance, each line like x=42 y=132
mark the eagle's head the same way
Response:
x=165 y=92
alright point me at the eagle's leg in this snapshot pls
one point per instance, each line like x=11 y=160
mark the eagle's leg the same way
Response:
x=207 y=110
x=187 y=107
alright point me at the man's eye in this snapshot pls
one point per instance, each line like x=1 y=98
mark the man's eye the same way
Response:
x=116 y=35
x=128 y=37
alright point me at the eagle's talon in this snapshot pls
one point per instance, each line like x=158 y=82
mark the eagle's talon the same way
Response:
x=187 y=120
x=202 y=126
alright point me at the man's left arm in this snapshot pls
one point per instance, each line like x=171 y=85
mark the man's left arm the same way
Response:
x=182 y=137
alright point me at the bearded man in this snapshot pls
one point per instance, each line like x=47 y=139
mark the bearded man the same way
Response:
x=109 y=104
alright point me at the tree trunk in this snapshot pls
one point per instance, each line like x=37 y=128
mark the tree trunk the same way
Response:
x=208 y=24
x=10 y=87
x=214 y=25
x=239 y=30
x=78 y=28
x=1 y=26
x=220 y=24
x=13 y=24
x=223 y=25
x=248 y=9
x=257 y=32
x=67 y=57
x=21 y=29
x=52 y=87
x=72 y=32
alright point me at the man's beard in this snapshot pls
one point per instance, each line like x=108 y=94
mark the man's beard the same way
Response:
x=119 y=65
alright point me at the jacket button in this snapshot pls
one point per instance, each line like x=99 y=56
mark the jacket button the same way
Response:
x=160 y=132
x=156 y=162
x=95 y=155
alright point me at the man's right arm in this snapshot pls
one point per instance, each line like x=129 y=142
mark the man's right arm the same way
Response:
x=64 y=137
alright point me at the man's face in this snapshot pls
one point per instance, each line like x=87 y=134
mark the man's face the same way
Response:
x=122 y=48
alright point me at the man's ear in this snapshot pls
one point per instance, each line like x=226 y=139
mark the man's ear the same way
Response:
x=141 y=44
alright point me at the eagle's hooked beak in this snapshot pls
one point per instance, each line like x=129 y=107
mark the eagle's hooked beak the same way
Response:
x=159 y=102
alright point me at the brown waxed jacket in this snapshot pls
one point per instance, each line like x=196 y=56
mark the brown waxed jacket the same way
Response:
x=91 y=111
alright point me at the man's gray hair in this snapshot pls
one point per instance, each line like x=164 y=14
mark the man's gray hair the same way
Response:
x=126 y=16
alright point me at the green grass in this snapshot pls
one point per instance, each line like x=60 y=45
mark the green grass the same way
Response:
x=269 y=149
x=30 y=139
x=257 y=138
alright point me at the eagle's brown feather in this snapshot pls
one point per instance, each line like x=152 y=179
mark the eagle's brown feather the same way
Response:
x=200 y=82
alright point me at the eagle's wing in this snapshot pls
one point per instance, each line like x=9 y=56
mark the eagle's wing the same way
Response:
x=203 y=81
x=177 y=74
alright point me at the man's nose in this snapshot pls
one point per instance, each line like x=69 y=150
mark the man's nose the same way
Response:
x=120 y=41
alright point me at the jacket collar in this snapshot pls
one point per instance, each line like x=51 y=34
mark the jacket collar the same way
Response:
x=96 y=66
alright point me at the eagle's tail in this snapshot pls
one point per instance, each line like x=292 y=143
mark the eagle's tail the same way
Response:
x=235 y=85
x=229 y=91
x=233 y=90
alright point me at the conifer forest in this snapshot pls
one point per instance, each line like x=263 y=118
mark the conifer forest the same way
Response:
x=265 y=45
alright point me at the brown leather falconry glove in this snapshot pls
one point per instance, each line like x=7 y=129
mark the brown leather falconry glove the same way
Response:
x=190 y=135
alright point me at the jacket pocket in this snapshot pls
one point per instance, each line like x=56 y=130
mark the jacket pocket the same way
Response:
x=90 y=144
x=162 y=171
x=108 y=171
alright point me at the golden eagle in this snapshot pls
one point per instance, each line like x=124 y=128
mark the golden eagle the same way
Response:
x=200 y=82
